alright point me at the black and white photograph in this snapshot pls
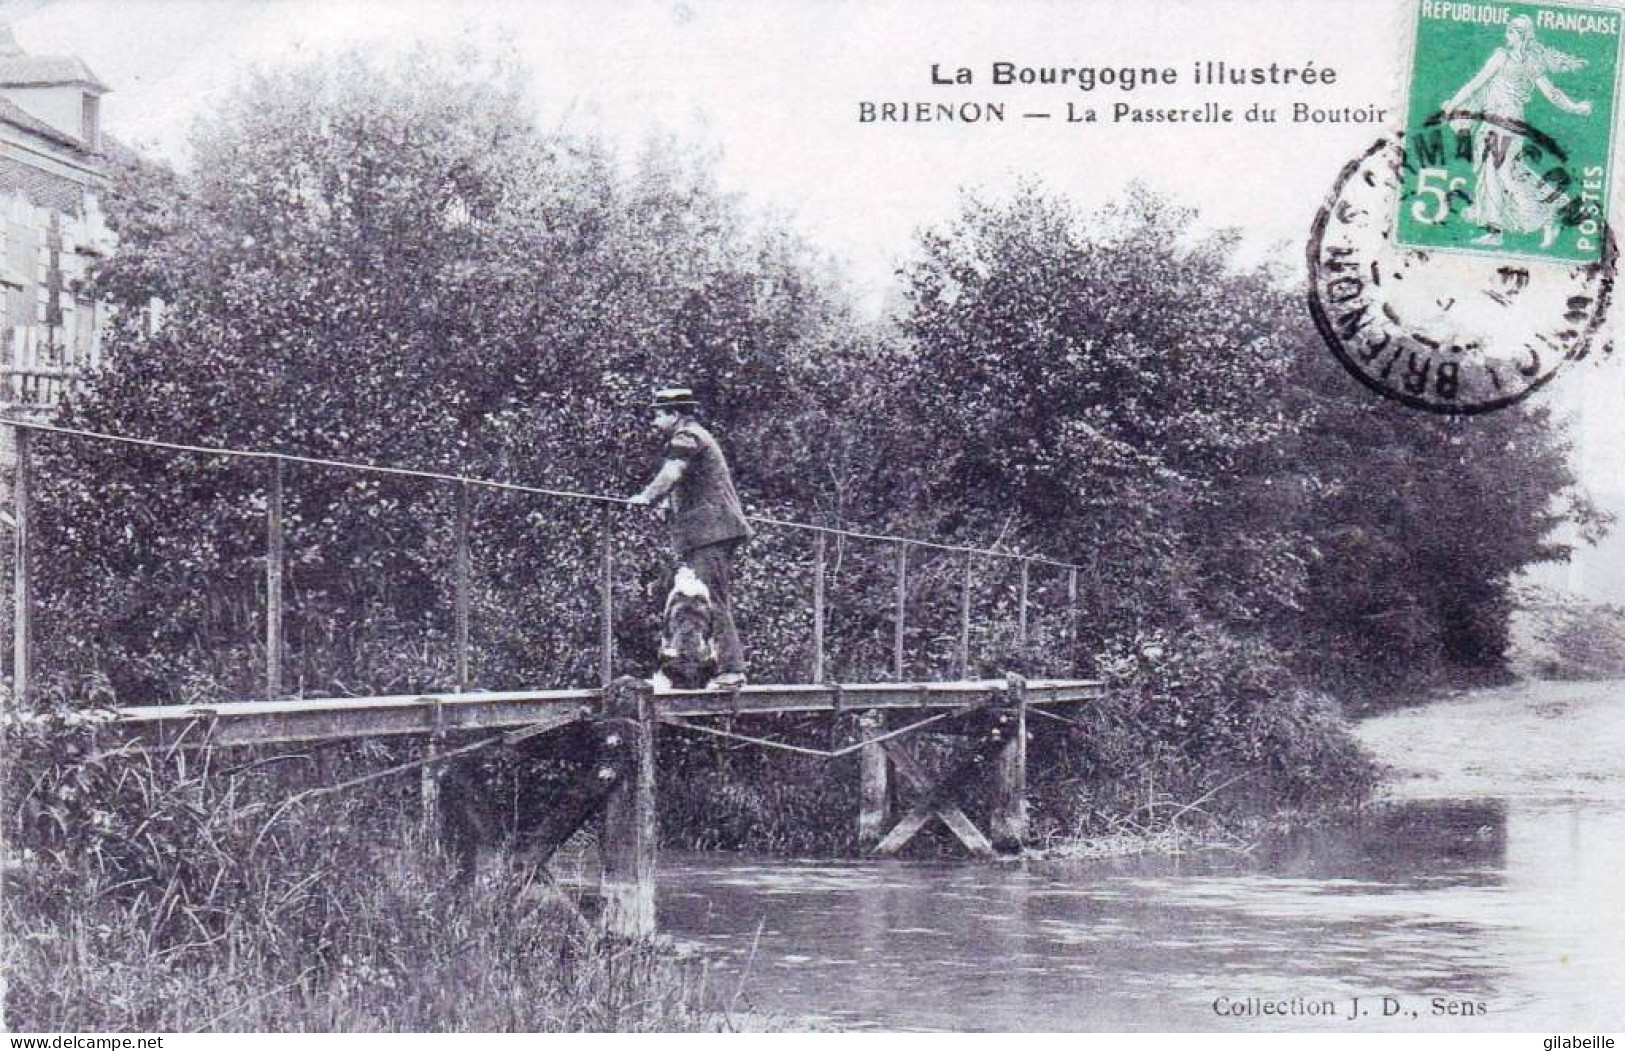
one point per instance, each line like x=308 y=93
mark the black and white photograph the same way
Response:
x=701 y=516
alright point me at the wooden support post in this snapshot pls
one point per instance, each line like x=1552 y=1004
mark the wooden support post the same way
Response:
x=874 y=793
x=818 y=608
x=464 y=573
x=1021 y=605
x=1008 y=813
x=273 y=586
x=627 y=841
x=23 y=605
x=897 y=659
x=874 y=770
x=1072 y=614
x=429 y=777
x=963 y=670
x=606 y=642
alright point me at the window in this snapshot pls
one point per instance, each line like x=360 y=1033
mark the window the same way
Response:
x=92 y=121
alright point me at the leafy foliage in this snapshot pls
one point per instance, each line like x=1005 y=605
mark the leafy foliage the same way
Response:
x=1154 y=410
x=1422 y=527
x=1115 y=387
x=1255 y=524
x=392 y=265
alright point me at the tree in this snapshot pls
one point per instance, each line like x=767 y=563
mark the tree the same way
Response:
x=1134 y=399
x=394 y=264
x=1118 y=386
x=1422 y=525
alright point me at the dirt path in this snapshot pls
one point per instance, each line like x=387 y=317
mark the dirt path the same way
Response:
x=1530 y=740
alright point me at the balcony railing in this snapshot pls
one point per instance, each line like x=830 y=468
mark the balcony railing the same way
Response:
x=38 y=364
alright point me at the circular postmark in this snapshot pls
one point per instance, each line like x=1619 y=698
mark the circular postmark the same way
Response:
x=1452 y=330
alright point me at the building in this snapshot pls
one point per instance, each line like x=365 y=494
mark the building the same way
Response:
x=52 y=174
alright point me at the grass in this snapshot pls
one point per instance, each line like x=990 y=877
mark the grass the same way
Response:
x=404 y=952
x=160 y=899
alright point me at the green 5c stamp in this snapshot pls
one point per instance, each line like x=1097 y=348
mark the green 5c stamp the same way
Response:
x=1509 y=129
x=1460 y=266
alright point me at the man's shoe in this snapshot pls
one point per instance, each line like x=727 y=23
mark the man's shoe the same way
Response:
x=731 y=680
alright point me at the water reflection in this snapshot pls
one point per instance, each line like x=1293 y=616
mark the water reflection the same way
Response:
x=1512 y=905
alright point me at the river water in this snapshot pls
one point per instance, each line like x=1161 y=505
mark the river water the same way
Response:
x=1486 y=891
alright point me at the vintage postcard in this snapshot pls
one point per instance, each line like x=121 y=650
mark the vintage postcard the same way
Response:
x=695 y=515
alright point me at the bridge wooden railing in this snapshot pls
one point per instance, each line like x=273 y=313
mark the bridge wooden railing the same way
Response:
x=625 y=713
x=276 y=466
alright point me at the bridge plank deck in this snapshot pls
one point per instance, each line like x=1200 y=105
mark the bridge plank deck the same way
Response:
x=334 y=718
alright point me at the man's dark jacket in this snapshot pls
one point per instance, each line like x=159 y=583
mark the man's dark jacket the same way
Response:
x=704 y=505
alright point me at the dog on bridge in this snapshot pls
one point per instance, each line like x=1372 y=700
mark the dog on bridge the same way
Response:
x=688 y=650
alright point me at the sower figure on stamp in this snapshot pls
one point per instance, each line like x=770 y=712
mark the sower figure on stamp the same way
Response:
x=1510 y=195
x=707 y=523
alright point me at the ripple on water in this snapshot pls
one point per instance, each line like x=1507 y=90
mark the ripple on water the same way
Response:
x=1509 y=899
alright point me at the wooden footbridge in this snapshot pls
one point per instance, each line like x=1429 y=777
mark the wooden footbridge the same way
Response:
x=614 y=727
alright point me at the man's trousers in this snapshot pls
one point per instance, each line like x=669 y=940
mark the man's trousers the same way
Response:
x=712 y=563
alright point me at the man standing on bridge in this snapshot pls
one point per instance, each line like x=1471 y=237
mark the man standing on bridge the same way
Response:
x=707 y=524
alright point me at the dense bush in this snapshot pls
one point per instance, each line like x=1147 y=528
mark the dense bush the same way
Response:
x=1137 y=401
x=1201 y=732
x=393 y=265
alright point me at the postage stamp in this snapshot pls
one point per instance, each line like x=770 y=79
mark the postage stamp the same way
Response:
x=1452 y=333
x=1458 y=266
x=1510 y=121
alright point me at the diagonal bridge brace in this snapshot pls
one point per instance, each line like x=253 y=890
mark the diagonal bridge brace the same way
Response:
x=617 y=787
x=937 y=798
x=936 y=801
x=607 y=765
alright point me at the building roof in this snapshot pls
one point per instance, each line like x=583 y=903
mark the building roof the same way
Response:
x=18 y=69
x=39 y=71
x=16 y=116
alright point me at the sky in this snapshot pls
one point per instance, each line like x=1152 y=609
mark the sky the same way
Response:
x=775 y=89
